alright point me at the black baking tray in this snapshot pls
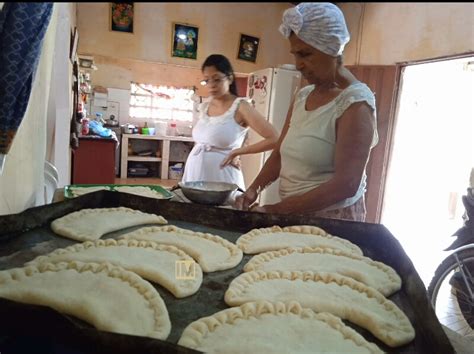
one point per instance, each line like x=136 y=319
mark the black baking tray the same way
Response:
x=26 y=235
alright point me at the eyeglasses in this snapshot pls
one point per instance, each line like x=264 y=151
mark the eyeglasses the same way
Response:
x=213 y=81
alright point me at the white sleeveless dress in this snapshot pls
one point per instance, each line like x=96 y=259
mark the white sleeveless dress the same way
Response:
x=215 y=138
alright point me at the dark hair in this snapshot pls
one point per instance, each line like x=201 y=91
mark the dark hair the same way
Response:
x=222 y=64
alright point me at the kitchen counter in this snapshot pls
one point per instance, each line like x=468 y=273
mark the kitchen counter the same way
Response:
x=93 y=162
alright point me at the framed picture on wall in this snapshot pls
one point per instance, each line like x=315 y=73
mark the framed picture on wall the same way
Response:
x=185 y=41
x=121 y=16
x=248 y=48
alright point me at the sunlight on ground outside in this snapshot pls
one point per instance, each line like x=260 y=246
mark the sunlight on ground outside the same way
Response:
x=431 y=161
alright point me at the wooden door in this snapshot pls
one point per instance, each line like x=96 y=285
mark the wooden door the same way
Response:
x=241 y=83
x=383 y=81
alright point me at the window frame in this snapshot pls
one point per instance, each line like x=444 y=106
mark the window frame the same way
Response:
x=175 y=111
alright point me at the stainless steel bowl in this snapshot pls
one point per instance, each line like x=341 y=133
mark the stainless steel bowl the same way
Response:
x=210 y=193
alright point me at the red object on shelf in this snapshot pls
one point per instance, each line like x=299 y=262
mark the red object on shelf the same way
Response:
x=85 y=126
x=94 y=161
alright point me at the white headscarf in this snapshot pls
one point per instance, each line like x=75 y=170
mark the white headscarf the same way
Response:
x=319 y=24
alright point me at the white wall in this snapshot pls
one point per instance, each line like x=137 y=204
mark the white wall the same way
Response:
x=389 y=33
x=22 y=178
x=60 y=101
x=220 y=25
x=145 y=55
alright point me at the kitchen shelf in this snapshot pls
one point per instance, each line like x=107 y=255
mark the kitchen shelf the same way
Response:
x=144 y=158
x=164 y=143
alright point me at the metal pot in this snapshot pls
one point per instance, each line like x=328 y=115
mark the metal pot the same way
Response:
x=127 y=128
x=210 y=193
x=112 y=121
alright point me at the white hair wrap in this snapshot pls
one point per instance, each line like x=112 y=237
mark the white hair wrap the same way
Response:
x=321 y=25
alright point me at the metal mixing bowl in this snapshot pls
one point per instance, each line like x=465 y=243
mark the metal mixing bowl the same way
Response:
x=210 y=193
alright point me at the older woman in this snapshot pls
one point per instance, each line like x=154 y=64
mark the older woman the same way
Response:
x=330 y=128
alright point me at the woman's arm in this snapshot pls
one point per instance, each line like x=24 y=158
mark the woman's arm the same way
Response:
x=355 y=131
x=248 y=116
x=269 y=172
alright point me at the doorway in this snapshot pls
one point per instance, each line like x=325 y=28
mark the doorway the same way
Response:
x=432 y=157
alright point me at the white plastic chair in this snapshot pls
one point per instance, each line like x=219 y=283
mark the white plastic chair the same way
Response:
x=49 y=167
x=51 y=182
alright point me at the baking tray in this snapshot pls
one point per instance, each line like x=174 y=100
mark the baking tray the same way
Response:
x=26 y=235
x=165 y=193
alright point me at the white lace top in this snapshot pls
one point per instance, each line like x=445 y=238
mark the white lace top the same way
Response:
x=215 y=138
x=308 y=150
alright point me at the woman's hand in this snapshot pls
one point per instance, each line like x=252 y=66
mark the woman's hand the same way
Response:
x=257 y=208
x=232 y=159
x=243 y=201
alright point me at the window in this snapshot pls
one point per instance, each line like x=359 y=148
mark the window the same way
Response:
x=161 y=102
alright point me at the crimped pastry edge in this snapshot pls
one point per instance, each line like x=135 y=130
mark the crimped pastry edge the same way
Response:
x=195 y=332
x=244 y=280
x=257 y=261
x=244 y=240
x=144 y=288
x=236 y=253
x=65 y=231
x=110 y=242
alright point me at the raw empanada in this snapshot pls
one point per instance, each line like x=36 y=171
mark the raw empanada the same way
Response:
x=275 y=238
x=326 y=292
x=92 y=224
x=212 y=252
x=372 y=273
x=152 y=261
x=106 y=296
x=264 y=327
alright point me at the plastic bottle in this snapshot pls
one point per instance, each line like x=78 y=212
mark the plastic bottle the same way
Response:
x=145 y=130
x=172 y=129
x=85 y=126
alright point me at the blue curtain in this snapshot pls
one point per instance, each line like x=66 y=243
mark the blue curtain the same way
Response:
x=22 y=30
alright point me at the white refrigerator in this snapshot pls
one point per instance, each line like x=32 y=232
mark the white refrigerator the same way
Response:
x=270 y=91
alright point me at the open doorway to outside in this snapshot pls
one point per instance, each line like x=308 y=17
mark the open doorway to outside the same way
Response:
x=432 y=157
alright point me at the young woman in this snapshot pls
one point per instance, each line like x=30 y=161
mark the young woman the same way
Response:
x=220 y=131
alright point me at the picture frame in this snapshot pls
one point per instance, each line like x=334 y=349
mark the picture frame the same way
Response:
x=248 y=48
x=185 y=41
x=74 y=42
x=85 y=63
x=121 y=17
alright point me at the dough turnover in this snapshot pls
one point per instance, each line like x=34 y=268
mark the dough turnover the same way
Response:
x=78 y=191
x=275 y=238
x=326 y=292
x=265 y=327
x=375 y=274
x=92 y=224
x=141 y=191
x=106 y=296
x=152 y=261
x=212 y=252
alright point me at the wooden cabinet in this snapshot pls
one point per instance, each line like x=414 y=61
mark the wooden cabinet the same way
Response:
x=94 y=161
x=164 y=144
